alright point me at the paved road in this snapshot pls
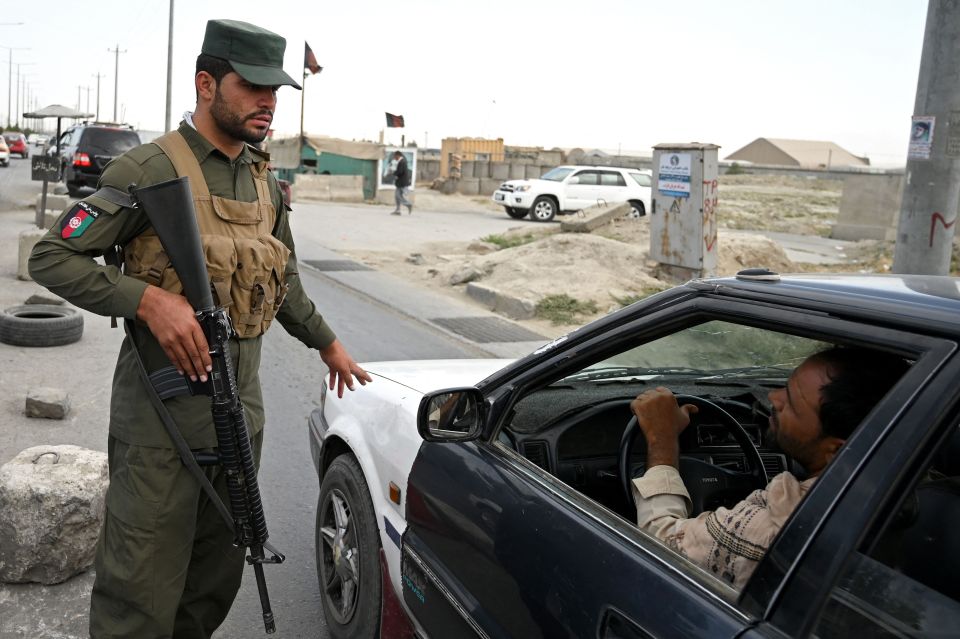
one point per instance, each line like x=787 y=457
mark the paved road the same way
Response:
x=16 y=189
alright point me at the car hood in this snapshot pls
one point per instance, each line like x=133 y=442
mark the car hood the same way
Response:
x=424 y=376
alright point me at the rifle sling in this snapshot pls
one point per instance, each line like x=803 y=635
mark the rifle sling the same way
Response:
x=183 y=449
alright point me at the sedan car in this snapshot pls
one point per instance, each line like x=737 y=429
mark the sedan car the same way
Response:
x=17 y=143
x=4 y=153
x=571 y=188
x=491 y=499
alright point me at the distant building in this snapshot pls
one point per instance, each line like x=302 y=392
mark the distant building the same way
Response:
x=807 y=154
x=471 y=149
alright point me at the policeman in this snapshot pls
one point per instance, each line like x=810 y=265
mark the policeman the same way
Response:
x=165 y=564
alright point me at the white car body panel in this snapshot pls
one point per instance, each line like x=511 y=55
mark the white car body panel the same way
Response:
x=573 y=196
x=379 y=424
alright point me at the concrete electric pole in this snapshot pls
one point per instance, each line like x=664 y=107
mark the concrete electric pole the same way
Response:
x=169 y=69
x=116 y=76
x=97 y=76
x=928 y=213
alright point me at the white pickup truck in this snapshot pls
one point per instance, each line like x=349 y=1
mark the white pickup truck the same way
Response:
x=571 y=188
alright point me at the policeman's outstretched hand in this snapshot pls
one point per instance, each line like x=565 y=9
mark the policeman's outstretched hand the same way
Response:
x=171 y=320
x=342 y=367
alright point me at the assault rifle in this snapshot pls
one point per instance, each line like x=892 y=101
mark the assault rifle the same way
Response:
x=169 y=206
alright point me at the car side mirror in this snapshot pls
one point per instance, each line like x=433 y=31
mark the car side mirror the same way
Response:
x=574 y=180
x=453 y=414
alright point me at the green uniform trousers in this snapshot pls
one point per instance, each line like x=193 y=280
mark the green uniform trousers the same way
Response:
x=165 y=564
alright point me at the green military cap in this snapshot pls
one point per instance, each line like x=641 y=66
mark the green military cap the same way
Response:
x=254 y=53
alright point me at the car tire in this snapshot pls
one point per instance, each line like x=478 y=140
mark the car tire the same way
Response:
x=544 y=209
x=350 y=580
x=517 y=214
x=40 y=325
x=637 y=209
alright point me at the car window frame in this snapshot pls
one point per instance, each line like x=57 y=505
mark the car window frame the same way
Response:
x=891 y=457
x=758 y=596
x=621 y=184
x=580 y=172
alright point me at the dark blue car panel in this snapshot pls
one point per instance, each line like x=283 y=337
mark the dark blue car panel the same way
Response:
x=523 y=562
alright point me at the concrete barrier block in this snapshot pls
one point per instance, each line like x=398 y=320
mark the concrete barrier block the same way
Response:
x=500 y=171
x=28 y=239
x=489 y=185
x=532 y=171
x=55 y=204
x=469 y=186
x=593 y=217
x=481 y=169
x=466 y=169
x=328 y=188
x=503 y=303
x=517 y=171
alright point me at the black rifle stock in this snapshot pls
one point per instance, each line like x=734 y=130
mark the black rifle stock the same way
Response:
x=169 y=206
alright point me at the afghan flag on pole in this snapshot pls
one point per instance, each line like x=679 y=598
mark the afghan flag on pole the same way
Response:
x=78 y=219
x=310 y=60
x=395 y=121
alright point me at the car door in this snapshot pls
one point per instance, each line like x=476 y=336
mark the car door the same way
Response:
x=613 y=188
x=581 y=189
x=496 y=547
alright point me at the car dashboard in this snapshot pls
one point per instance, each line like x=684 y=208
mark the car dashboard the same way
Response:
x=574 y=432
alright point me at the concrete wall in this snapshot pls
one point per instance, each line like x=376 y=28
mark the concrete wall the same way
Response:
x=328 y=188
x=869 y=207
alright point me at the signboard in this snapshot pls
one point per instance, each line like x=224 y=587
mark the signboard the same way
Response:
x=45 y=168
x=673 y=177
x=386 y=166
x=921 y=137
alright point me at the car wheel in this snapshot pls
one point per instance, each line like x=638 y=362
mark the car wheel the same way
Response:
x=544 y=209
x=517 y=214
x=637 y=209
x=348 y=552
x=40 y=325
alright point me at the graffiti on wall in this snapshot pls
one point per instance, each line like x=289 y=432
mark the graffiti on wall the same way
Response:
x=936 y=217
x=709 y=214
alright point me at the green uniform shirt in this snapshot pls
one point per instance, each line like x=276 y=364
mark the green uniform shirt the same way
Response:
x=67 y=267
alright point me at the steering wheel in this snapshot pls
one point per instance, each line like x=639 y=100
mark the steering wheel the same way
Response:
x=703 y=480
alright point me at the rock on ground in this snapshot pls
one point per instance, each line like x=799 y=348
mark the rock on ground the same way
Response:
x=51 y=510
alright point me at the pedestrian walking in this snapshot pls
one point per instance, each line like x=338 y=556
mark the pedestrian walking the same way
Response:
x=401 y=183
x=165 y=563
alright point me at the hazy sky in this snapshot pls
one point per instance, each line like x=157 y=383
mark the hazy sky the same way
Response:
x=600 y=74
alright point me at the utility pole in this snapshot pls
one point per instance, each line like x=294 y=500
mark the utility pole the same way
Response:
x=10 y=51
x=17 y=103
x=931 y=194
x=116 y=76
x=79 y=89
x=97 y=76
x=169 y=69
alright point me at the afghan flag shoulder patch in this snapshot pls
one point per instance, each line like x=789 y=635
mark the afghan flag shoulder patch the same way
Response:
x=78 y=219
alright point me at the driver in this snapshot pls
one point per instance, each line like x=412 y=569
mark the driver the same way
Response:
x=824 y=400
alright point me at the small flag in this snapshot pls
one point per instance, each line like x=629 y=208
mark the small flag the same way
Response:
x=394 y=120
x=310 y=60
x=78 y=219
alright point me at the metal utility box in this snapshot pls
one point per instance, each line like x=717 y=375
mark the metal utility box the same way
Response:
x=683 y=222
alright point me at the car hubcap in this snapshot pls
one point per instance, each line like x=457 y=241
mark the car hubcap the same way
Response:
x=543 y=210
x=341 y=557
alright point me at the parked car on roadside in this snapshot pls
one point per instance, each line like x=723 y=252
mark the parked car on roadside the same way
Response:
x=4 y=152
x=37 y=139
x=17 y=143
x=85 y=149
x=571 y=188
x=487 y=498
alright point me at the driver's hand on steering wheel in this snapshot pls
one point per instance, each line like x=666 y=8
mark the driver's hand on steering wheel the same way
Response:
x=660 y=417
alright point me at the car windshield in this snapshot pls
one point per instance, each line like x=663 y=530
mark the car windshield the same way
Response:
x=110 y=141
x=717 y=350
x=557 y=174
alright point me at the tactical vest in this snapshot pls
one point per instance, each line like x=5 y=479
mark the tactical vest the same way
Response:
x=244 y=260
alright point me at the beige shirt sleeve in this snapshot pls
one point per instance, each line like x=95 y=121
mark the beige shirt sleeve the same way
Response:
x=727 y=542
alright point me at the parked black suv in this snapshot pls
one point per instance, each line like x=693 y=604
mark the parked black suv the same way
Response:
x=85 y=149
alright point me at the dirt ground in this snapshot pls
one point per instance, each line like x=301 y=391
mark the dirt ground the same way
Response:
x=606 y=269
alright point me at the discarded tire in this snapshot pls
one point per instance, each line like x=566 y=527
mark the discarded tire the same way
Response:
x=40 y=325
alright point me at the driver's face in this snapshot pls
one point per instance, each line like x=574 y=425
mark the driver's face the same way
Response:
x=795 y=421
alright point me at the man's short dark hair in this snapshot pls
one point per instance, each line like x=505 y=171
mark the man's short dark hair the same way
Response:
x=859 y=378
x=397 y=154
x=216 y=67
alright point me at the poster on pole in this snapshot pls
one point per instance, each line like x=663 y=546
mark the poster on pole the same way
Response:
x=921 y=137
x=387 y=165
x=673 y=176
